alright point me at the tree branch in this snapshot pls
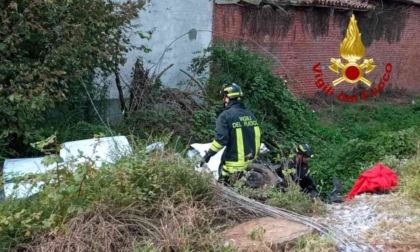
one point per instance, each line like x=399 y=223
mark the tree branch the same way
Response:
x=154 y=78
x=195 y=80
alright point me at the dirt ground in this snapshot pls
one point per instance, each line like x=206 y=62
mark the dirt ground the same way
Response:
x=388 y=222
x=265 y=234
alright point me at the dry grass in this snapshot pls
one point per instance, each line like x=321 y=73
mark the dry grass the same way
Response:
x=101 y=230
x=190 y=226
x=410 y=178
x=178 y=223
x=400 y=228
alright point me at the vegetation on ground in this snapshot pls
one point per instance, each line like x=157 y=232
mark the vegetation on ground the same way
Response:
x=291 y=199
x=352 y=138
x=314 y=242
x=156 y=201
x=144 y=200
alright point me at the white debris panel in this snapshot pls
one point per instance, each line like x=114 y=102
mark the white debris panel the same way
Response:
x=100 y=150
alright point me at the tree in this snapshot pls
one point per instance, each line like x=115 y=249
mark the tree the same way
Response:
x=49 y=52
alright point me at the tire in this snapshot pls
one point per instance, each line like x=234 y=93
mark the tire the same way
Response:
x=260 y=176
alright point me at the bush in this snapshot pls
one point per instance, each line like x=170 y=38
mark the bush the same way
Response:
x=141 y=183
x=50 y=51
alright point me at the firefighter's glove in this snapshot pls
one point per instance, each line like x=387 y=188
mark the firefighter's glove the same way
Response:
x=207 y=157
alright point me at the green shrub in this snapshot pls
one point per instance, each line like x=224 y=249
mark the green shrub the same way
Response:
x=284 y=118
x=50 y=51
x=416 y=104
x=141 y=180
x=203 y=123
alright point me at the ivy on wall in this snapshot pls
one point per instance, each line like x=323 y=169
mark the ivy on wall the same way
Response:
x=266 y=21
x=385 y=22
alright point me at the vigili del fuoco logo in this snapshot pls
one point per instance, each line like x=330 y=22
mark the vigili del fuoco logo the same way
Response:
x=349 y=70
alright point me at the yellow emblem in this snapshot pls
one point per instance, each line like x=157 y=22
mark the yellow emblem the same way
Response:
x=352 y=50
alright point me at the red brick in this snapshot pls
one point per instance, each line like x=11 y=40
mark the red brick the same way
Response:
x=298 y=51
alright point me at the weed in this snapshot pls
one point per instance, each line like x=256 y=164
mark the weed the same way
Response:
x=257 y=234
x=410 y=178
x=293 y=200
x=314 y=242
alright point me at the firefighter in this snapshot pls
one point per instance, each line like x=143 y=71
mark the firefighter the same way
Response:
x=300 y=166
x=238 y=130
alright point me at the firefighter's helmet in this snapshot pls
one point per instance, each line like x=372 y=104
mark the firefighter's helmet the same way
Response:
x=232 y=91
x=304 y=149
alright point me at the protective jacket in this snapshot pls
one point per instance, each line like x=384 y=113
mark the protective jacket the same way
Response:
x=301 y=169
x=301 y=176
x=237 y=129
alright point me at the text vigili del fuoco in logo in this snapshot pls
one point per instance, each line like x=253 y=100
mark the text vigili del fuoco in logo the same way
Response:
x=352 y=51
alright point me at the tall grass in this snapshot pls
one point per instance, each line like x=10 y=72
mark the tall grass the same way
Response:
x=148 y=199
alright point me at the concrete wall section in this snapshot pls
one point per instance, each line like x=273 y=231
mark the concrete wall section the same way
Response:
x=180 y=27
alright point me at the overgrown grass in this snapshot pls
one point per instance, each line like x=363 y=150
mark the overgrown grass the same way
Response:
x=145 y=202
x=400 y=227
x=408 y=171
x=314 y=242
x=351 y=138
x=154 y=201
x=410 y=179
x=293 y=199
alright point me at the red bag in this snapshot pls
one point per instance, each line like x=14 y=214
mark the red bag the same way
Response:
x=378 y=177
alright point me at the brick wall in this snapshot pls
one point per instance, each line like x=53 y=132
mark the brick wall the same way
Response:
x=299 y=51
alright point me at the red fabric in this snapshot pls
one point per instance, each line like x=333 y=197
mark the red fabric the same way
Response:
x=377 y=177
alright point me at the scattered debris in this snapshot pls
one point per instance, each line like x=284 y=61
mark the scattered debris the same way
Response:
x=100 y=150
x=354 y=219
